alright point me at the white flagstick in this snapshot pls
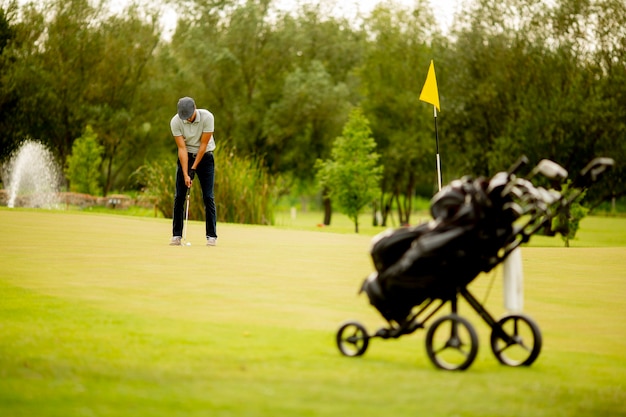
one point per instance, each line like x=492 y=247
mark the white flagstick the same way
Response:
x=439 y=171
x=438 y=159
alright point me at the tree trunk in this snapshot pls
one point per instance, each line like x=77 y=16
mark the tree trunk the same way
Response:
x=327 y=211
x=374 y=217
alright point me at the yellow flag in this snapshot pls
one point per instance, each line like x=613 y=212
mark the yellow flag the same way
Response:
x=429 y=92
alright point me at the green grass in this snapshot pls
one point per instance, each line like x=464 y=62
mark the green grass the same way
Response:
x=99 y=317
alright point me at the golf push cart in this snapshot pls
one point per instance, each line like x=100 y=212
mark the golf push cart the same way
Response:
x=477 y=224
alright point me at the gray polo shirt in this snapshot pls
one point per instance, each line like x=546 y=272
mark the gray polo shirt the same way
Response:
x=192 y=132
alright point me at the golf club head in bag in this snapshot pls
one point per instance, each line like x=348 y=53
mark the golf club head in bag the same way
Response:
x=592 y=172
x=550 y=170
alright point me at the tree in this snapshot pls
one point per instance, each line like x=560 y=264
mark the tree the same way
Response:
x=8 y=95
x=393 y=72
x=541 y=78
x=55 y=50
x=309 y=114
x=352 y=175
x=116 y=101
x=84 y=164
x=233 y=57
x=280 y=82
x=529 y=81
x=72 y=63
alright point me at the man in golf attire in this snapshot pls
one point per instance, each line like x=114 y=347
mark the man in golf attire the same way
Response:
x=193 y=132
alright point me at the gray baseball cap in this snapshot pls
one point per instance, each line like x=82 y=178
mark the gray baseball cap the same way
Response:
x=186 y=107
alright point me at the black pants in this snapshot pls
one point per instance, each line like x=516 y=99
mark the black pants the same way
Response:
x=205 y=172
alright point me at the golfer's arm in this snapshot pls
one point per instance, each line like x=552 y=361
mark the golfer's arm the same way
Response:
x=182 y=154
x=204 y=142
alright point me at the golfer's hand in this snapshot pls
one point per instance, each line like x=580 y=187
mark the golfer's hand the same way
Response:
x=192 y=174
x=188 y=181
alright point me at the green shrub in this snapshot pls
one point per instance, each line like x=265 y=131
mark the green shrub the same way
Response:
x=567 y=222
x=83 y=165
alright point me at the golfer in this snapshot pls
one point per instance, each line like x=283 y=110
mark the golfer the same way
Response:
x=193 y=132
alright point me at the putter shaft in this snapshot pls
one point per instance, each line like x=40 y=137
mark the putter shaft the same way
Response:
x=186 y=216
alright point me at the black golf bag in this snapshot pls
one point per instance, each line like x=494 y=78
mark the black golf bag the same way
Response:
x=473 y=230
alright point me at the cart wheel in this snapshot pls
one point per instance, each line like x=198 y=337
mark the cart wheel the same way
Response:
x=352 y=339
x=522 y=343
x=452 y=343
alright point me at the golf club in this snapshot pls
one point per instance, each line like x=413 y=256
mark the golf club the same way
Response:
x=549 y=169
x=592 y=171
x=185 y=242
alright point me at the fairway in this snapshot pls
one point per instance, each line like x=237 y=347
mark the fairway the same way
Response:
x=100 y=317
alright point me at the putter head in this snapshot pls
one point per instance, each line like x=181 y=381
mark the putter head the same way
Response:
x=550 y=169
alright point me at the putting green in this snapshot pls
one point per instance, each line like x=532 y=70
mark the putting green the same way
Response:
x=99 y=316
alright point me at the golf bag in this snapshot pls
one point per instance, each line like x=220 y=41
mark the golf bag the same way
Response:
x=475 y=226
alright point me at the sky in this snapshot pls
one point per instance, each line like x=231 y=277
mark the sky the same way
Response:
x=442 y=9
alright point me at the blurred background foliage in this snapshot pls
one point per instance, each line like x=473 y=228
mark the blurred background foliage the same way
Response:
x=545 y=79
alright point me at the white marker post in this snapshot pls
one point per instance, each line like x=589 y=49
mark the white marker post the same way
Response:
x=513 y=282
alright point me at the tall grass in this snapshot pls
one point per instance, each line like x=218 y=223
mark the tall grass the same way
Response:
x=244 y=192
x=159 y=178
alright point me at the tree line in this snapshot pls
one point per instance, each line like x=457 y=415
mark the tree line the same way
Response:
x=514 y=77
